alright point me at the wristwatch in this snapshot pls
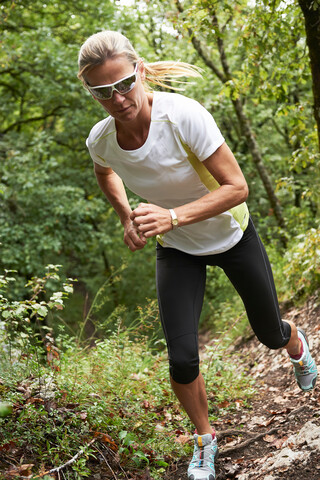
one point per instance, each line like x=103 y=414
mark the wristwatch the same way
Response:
x=174 y=219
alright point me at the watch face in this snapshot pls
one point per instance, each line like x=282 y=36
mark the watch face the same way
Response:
x=175 y=222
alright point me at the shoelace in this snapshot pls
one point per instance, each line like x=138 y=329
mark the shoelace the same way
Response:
x=306 y=367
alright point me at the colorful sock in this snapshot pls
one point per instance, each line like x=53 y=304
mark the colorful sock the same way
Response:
x=296 y=357
x=213 y=433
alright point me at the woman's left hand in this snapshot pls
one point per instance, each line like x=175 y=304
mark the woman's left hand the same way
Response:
x=151 y=220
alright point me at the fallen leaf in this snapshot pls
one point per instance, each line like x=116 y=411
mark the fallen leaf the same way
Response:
x=279 y=442
x=8 y=446
x=94 y=395
x=280 y=412
x=183 y=439
x=279 y=399
x=231 y=469
x=22 y=470
x=135 y=376
x=34 y=400
x=267 y=422
x=159 y=428
x=167 y=416
x=107 y=440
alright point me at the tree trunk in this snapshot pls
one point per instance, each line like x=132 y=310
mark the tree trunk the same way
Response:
x=244 y=122
x=263 y=173
x=311 y=12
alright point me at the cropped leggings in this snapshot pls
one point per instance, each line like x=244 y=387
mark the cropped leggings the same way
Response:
x=181 y=281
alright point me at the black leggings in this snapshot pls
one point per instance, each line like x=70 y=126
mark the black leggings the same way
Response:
x=181 y=281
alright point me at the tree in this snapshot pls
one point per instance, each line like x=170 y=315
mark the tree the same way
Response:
x=226 y=77
x=51 y=208
x=266 y=81
x=311 y=12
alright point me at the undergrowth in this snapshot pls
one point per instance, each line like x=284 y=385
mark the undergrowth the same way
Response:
x=74 y=407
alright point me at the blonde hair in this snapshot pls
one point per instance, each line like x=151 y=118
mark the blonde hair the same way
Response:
x=109 y=44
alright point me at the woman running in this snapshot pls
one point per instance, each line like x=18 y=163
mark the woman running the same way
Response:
x=168 y=149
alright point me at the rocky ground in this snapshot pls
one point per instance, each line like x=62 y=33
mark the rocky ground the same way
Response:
x=278 y=437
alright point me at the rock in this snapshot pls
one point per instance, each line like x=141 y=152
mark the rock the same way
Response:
x=309 y=435
x=284 y=458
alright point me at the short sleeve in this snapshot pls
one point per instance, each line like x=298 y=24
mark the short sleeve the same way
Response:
x=95 y=157
x=198 y=129
x=96 y=144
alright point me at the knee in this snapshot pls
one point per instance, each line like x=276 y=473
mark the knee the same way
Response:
x=183 y=372
x=273 y=341
x=184 y=363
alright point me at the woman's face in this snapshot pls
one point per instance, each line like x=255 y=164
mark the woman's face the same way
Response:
x=123 y=107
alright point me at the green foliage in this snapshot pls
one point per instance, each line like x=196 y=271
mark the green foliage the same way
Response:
x=302 y=269
x=52 y=213
x=115 y=394
x=51 y=209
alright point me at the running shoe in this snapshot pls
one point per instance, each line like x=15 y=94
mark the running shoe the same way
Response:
x=205 y=452
x=305 y=368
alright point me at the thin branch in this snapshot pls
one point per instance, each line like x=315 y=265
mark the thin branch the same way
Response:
x=220 y=44
x=71 y=147
x=14 y=91
x=240 y=446
x=111 y=452
x=32 y=119
x=205 y=57
x=230 y=433
x=73 y=459
x=202 y=53
x=108 y=465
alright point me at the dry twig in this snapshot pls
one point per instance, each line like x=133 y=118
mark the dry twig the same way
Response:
x=239 y=446
x=69 y=462
x=107 y=463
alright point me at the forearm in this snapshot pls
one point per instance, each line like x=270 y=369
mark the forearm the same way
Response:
x=233 y=189
x=212 y=204
x=112 y=187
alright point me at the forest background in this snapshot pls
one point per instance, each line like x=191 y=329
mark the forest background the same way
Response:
x=257 y=82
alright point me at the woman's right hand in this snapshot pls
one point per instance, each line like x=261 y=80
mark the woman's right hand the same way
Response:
x=132 y=237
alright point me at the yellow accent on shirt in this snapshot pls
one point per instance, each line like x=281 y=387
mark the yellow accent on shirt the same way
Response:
x=240 y=213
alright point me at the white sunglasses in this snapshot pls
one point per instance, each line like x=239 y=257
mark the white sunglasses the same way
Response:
x=123 y=86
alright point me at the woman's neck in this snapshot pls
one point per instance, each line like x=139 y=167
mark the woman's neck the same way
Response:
x=132 y=135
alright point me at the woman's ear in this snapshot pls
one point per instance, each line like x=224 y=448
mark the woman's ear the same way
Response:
x=142 y=69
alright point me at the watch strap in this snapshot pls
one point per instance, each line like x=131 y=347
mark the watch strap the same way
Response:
x=174 y=218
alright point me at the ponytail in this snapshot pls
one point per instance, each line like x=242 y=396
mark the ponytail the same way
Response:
x=107 y=44
x=165 y=73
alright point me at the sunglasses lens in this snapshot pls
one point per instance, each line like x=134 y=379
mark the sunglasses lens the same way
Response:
x=103 y=93
x=126 y=85
x=122 y=87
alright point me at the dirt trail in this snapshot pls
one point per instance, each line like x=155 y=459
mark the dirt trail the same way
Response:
x=278 y=437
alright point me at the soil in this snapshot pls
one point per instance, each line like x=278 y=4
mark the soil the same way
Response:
x=278 y=436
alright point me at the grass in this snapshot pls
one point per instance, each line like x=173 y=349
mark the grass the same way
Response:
x=105 y=407
x=117 y=390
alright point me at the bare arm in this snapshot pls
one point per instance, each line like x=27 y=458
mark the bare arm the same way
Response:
x=112 y=187
x=233 y=189
x=152 y=220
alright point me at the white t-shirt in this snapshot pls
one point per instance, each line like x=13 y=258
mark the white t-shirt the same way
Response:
x=167 y=170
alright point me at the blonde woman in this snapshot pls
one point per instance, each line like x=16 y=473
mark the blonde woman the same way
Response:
x=168 y=149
